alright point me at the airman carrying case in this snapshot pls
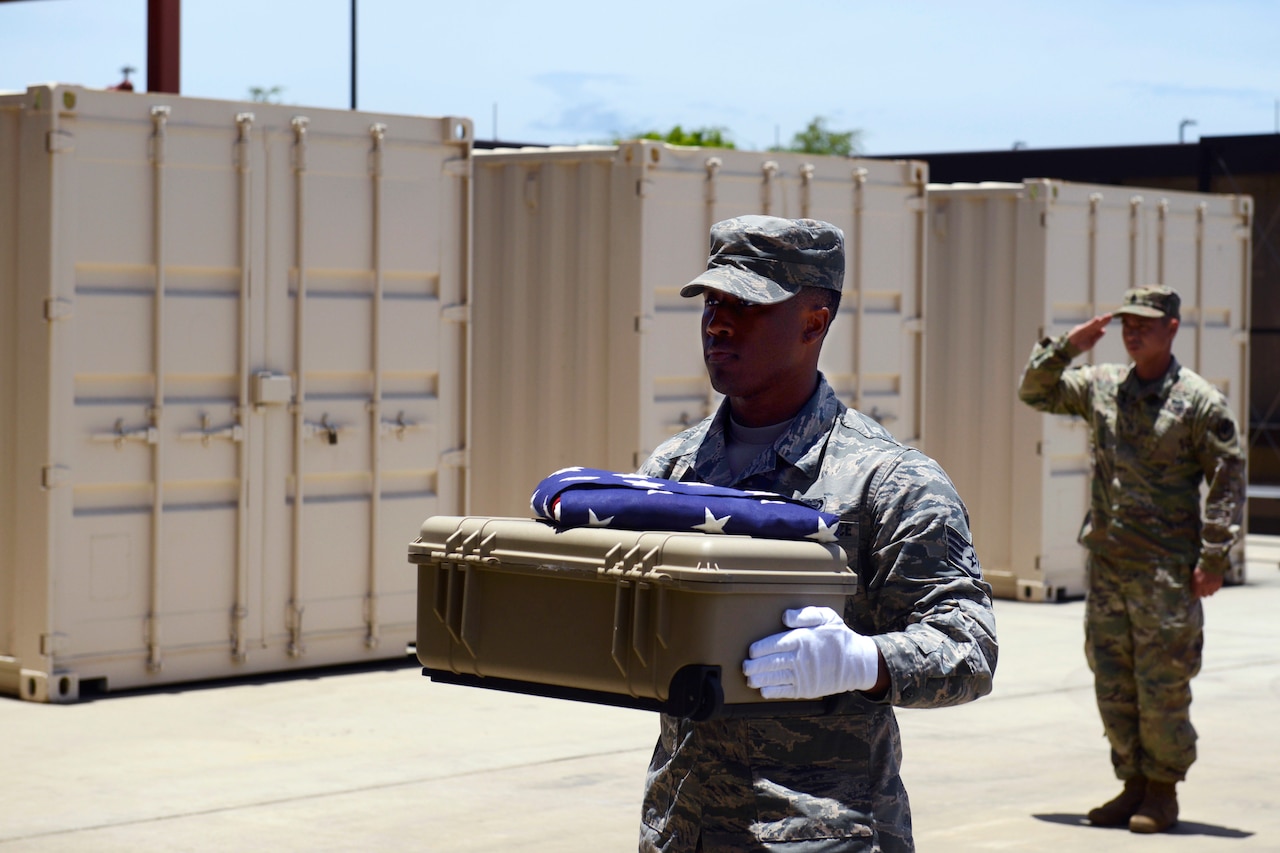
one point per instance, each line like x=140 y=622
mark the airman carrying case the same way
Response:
x=653 y=620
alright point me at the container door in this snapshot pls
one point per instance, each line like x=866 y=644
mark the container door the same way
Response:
x=873 y=355
x=974 y=352
x=166 y=429
x=1202 y=249
x=152 y=421
x=365 y=312
x=546 y=351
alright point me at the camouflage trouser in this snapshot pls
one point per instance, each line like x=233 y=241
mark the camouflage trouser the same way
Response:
x=1143 y=639
x=768 y=785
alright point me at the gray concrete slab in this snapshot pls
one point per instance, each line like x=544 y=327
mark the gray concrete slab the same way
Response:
x=381 y=758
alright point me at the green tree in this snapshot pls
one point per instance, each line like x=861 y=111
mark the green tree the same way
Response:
x=818 y=139
x=264 y=95
x=699 y=137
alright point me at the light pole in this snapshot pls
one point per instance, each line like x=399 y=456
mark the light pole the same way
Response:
x=353 y=54
x=1182 y=125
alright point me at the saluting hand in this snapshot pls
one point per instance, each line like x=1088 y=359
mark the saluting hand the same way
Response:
x=1088 y=333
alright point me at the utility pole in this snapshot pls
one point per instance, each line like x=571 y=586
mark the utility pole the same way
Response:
x=353 y=54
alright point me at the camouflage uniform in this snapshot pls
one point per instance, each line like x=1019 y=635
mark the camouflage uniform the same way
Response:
x=1153 y=445
x=830 y=783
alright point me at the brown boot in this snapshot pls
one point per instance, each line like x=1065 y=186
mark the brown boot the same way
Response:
x=1159 y=809
x=1117 y=812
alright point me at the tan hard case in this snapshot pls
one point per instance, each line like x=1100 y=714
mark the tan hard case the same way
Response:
x=653 y=620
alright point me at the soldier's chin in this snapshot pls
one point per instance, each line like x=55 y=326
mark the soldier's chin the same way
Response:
x=722 y=383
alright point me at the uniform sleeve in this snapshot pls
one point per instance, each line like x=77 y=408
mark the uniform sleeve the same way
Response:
x=1048 y=386
x=934 y=623
x=1223 y=462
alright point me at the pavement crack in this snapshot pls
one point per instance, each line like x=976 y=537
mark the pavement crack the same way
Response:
x=317 y=795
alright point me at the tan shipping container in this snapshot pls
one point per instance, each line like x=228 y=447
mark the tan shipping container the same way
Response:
x=1011 y=263
x=586 y=352
x=232 y=382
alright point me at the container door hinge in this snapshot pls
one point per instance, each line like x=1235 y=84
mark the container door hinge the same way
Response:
x=293 y=623
x=57 y=308
x=457 y=458
x=1039 y=448
x=644 y=323
x=52 y=476
x=1037 y=562
x=456 y=313
x=53 y=644
x=459 y=168
x=913 y=324
x=59 y=142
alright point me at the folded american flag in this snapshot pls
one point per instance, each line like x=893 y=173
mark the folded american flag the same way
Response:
x=589 y=497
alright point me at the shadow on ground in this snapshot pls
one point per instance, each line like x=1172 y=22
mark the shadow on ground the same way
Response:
x=1183 y=827
x=90 y=691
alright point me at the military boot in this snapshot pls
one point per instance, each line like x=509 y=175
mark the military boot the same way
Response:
x=1118 y=811
x=1159 y=809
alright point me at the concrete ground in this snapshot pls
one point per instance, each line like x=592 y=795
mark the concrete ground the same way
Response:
x=379 y=758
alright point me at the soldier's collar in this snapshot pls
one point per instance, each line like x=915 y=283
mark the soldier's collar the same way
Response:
x=1134 y=386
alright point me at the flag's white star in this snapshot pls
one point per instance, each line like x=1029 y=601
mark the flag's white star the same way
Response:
x=659 y=492
x=637 y=480
x=713 y=524
x=593 y=521
x=824 y=533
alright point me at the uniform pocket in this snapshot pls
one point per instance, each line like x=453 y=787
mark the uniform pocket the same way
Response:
x=846 y=832
x=824 y=807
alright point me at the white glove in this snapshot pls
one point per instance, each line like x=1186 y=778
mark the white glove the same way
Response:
x=821 y=656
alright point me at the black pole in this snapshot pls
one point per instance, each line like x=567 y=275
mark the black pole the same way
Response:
x=353 y=54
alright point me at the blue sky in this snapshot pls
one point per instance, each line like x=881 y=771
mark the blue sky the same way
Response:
x=915 y=77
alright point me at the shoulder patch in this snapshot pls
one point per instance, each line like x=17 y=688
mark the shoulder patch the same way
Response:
x=1226 y=430
x=961 y=555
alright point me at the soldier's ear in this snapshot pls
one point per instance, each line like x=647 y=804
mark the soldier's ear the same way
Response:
x=816 y=322
x=1174 y=323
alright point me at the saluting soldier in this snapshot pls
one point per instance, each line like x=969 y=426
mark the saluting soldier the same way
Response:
x=1158 y=431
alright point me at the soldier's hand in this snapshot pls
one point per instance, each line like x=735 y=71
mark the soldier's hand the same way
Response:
x=1205 y=584
x=1088 y=333
x=820 y=656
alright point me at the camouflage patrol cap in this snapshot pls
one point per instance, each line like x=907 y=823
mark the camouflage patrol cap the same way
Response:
x=765 y=259
x=1151 y=300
